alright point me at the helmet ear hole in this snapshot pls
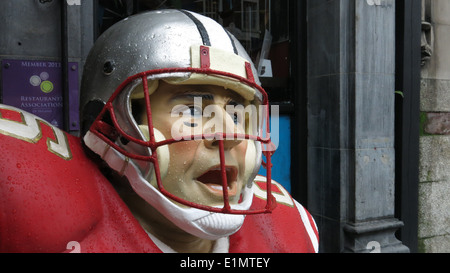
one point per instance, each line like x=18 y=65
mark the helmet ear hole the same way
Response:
x=108 y=68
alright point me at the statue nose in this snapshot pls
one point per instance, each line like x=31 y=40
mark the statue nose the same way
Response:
x=221 y=127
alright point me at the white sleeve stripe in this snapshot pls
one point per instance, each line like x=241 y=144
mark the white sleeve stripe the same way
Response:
x=308 y=226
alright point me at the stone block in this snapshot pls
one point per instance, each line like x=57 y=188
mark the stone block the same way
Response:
x=374 y=188
x=434 y=158
x=374 y=110
x=434 y=215
x=437 y=244
x=435 y=95
x=437 y=123
x=373 y=46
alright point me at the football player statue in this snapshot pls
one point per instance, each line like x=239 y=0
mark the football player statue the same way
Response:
x=174 y=128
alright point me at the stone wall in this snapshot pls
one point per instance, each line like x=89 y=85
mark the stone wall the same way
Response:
x=434 y=177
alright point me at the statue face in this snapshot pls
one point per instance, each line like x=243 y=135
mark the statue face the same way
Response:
x=194 y=172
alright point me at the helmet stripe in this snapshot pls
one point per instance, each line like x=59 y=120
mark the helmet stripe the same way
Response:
x=201 y=28
x=232 y=42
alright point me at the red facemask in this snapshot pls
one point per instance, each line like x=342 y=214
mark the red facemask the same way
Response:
x=110 y=131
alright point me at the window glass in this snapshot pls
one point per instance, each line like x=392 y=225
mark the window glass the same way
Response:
x=262 y=26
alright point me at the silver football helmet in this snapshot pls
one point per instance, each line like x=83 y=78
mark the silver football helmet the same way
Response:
x=126 y=63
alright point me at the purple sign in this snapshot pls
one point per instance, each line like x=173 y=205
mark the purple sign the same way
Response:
x=36 y=87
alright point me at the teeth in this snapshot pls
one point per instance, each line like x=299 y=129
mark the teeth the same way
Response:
x=217 y=187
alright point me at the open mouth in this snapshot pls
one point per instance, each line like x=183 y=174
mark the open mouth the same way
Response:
x=212 y=179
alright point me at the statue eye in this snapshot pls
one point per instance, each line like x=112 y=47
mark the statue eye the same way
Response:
x=194 y=113
x=236 y=118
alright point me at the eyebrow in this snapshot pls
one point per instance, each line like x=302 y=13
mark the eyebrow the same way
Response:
x=206 y=96
x=190 y=95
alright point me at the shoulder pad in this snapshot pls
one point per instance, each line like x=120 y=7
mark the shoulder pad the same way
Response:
x=281 y=195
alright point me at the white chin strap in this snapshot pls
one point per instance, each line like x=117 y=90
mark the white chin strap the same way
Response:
x=200 y=223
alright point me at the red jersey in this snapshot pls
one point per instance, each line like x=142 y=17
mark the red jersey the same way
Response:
x=53 y=197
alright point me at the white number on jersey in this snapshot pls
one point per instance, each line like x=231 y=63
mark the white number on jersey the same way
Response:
x=30 y=130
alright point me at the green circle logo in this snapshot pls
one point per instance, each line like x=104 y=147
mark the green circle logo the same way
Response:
x=47 y=86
